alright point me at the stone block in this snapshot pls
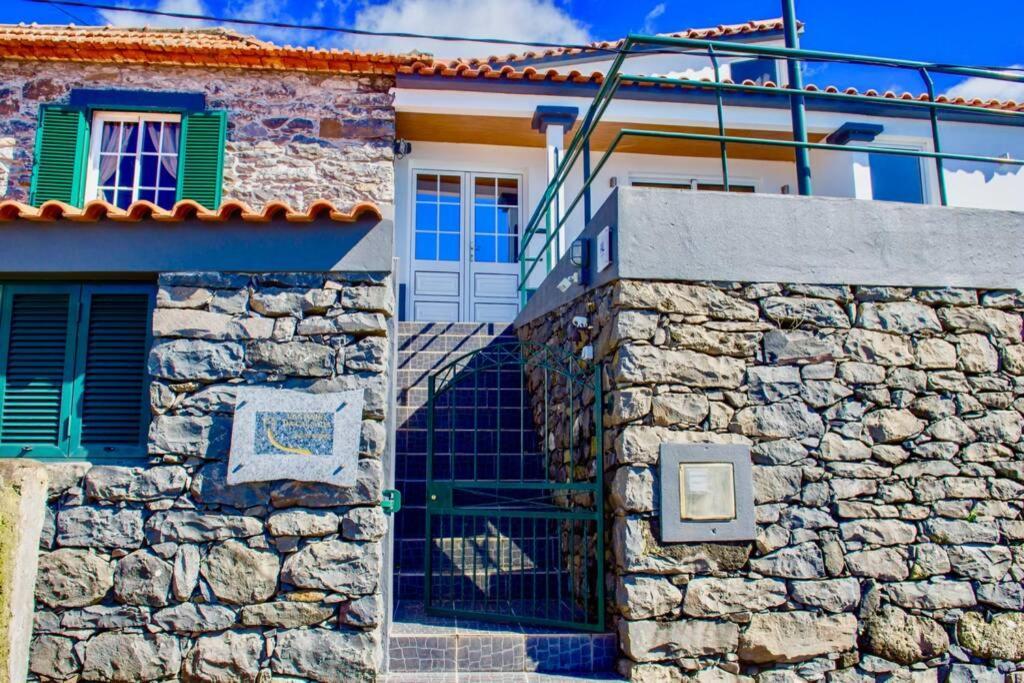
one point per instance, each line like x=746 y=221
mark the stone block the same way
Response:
x=134 y=484
x=796 y=636
x=240 y=575
x=339 y=566
x=196 y=359
x=99 y=527
x=649 y=641
x=709 y=597
x=899 y=637
x=646 y=597
x=130 y=657
x=326 y=655
x=225 y=658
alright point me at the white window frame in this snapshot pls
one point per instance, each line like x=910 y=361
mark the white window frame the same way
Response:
x=468 y=177
x=928 y=191
x=684 y=179
x=96 y=142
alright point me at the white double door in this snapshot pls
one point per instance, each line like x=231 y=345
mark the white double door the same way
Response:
x=464 y=231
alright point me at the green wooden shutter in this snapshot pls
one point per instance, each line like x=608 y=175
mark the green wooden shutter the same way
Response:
x=37 y=330
x=201 y=159
x=111 y=386
x=62 y=140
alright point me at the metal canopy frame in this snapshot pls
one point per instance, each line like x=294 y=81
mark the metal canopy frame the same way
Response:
x=549 y=217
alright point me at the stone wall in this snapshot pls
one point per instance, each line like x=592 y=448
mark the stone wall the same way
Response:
x=160 y=570
x=23 y=486
x=885 y=429
x=295 y=137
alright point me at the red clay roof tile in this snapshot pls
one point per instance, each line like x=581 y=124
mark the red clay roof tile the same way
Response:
x=465 y=70
x=709 y=33
x=209 y=47
x=186 y=209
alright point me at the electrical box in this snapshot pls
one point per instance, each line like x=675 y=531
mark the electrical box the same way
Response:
x=707 y=493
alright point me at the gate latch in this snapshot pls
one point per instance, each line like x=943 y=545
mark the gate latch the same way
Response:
x=392 y=501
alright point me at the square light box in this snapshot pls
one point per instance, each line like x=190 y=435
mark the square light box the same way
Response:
x=707 y=493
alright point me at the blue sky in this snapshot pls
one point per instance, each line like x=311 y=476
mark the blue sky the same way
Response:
x=986 y=32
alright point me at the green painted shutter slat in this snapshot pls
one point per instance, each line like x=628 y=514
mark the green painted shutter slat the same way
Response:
x=59 y=171
x=36 y=348
x=201 y=163
x=112 y=382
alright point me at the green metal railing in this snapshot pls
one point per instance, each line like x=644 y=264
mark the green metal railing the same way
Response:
x=549 y=218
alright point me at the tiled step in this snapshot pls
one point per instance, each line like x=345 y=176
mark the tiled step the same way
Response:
x=426 y=644
x=482 y=677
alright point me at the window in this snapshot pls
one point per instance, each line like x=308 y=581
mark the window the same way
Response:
x=133 y=157
x=124 y=156
x=438 y=229
x=73 y=361
x=896 y=178
x=440 y=221
x=759 y=71
x=495 y=220
x=695 y=185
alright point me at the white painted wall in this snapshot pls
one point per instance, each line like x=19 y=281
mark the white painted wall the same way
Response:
x=836 y=174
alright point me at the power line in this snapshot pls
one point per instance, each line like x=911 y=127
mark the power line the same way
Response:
x=316 y=27
x=449 y=38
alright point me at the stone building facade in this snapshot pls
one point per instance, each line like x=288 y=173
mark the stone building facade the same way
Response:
x=151 y=567
x=884 y=424
x=291 y=137
x=163 y=570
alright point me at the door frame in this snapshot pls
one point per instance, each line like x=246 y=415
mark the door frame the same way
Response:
x=467 y=171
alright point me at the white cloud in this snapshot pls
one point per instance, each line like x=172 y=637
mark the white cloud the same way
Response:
x=271 y=10
x=655 y=12
x=539 y=20
x=118 y=18
x=988 y=89
x=319 y=12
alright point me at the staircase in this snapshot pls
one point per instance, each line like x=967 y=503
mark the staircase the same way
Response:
x=424 y=647
x=423 y=348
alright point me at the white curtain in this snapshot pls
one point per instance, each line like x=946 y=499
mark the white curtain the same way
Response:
x=169 y=152
x=108 y=153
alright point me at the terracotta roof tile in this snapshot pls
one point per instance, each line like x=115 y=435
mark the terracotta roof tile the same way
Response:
x=212 y=47
x=709 y=33
x=184 y=210
x=467 y=71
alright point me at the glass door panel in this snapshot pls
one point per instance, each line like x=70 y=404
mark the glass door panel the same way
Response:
x=493 y=268
x=438 y=217
x=438 y=250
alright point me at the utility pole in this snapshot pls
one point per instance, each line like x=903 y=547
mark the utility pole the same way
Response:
x=796 y=101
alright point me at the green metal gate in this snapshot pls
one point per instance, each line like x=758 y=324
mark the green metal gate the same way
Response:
x=515 y=523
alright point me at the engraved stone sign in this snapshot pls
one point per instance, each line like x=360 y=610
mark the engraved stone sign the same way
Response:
x=286 y=434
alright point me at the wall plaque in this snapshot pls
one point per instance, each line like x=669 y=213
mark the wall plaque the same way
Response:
x=286 y=434
x=707 y=493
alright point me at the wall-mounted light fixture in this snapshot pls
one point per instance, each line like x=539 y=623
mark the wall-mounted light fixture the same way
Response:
x=402 y=147
x=579 y=256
